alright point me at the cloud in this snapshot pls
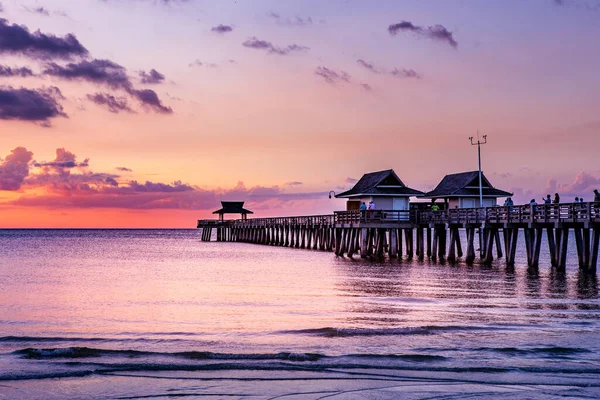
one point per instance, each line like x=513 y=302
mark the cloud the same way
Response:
x=436 y=32
x=405 y=73
x=38 y=10
x=332 y=77
x=64 y=160
x=124 y=169
x=66 y=183
x=97 y=71
x=16 y=39
x=198 y=63
x=351 y=181
x=114 y=104
x=106 y=72
x=257 y=44
x=368 y=66
x=583 y=185
x=23 y=72
x=294 y=183
x=222 y=29
x=152 y=77
x=398 y=73
x=150 y=100
x=37 y=105
x=14 y=169
x=292 y=21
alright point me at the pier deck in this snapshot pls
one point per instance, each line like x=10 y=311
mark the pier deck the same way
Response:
x=434 y=234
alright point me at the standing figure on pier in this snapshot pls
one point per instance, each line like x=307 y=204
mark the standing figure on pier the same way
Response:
x=363 y=206
x=547 y=200
x=556 y=199
x=371 y=205
x=597 y=202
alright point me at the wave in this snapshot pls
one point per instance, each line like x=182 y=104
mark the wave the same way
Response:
x=349 y=332
x=87 y=352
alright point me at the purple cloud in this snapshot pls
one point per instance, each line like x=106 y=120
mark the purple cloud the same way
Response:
x=14 y=169
x=405 y=73
x=23 y=72
x=295 y=21
x=124 y=169
x=222 y=29
x=332 y=77
x=37 y=105
x=16 y=39
x=152 y=77
x=64 y=160
x=114 y=104
x=368 y=66
x=257 y=44
x=106 y=72
x=436 y=32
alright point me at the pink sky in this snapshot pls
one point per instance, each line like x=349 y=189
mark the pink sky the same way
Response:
x=147 y=113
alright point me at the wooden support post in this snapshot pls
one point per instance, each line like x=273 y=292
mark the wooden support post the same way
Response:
x=537 y=247
x=434 y=250
x=393 y=243
x=489 y=245
x=452 y=249
x=594 y=251
x=470 y=245
x=409 y=243
x=400 y=243
x=459 y=251
x=363 y=242
x=563 y=250
x=498 y=244
x=351 y=242
x=441 y=242
x=579 y=244
x=586 y=248
x=428 y=242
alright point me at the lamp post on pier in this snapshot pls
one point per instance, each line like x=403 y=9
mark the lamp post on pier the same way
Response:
x=478 y=144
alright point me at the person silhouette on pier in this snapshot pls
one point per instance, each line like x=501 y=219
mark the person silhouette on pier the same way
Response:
x=556 y=199
x=597 y=202
x=547 y=200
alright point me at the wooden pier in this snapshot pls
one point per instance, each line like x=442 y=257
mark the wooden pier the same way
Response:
x=431 y=234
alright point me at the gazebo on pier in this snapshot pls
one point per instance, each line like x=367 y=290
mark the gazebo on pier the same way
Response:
x=232 y=207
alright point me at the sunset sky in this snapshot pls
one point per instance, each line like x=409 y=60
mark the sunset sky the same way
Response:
x=147 y=113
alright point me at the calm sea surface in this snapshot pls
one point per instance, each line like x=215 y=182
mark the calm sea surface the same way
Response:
x=158 y=313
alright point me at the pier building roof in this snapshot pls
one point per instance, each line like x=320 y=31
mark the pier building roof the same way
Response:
x=465 y=184
x=232 y=207
x=380 y=183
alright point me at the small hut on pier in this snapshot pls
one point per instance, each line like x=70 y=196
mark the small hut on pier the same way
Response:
x=384 y=188
x=462 y=191
x=232 y=207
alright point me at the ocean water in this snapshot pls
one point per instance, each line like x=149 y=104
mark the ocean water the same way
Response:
x=130 y=314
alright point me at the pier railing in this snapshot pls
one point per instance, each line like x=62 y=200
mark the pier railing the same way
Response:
x=541 y=213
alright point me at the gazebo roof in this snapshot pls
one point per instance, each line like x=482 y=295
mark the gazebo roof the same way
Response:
x=465 y=184
x=232 y=207
x=380 y=183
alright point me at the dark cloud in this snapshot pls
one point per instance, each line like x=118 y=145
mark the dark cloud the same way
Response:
x=405 y=73
x=38 y=105
x=96 y=71
x=20 y=71
x=14 y=169
x=114 y=104
x=294 y=183
x=149 y=99
x=351 y=181
x=255 y=43
x=368 y=66
x=64 y=160
x=436 y=32
x=152 y=77
x=295 y=21
x=106 y=72
x=398 y=73
x=16 y=39
x=222 y=28
x=124 y=169
x=332 y=76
